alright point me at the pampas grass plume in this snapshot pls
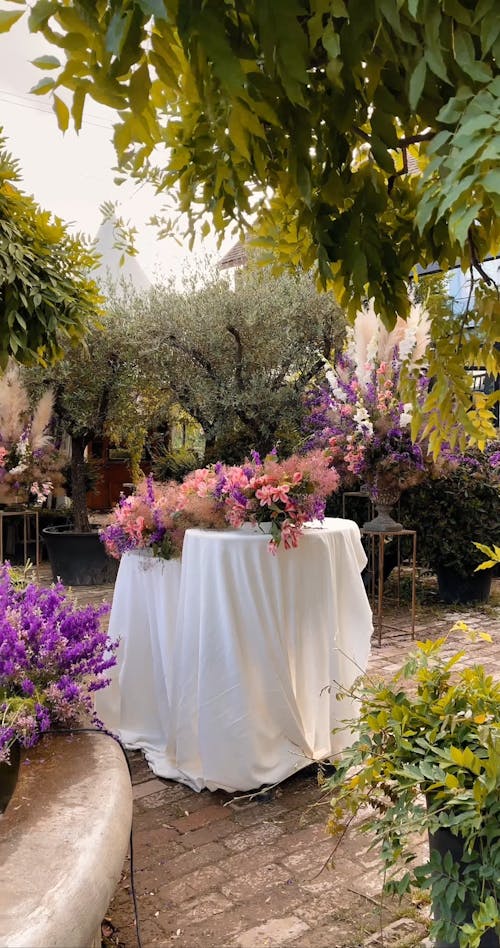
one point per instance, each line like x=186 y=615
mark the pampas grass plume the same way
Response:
x=41 y=420
x=14 y=404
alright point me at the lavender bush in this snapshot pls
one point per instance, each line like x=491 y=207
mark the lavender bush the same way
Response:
x=53 y=656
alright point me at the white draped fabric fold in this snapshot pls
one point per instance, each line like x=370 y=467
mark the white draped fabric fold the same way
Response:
x=229 y=665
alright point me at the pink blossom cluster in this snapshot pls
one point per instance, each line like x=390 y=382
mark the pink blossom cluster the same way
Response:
x=285 y=493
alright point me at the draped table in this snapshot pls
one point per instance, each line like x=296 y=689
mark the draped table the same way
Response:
x=230 y=660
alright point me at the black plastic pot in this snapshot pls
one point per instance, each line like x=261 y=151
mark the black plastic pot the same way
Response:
x=444 y=841
x=78 y=559
x=454 y=588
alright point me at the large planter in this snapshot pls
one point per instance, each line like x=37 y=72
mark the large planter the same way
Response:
x=455 y=588
x=444 y=841
x=78 y=559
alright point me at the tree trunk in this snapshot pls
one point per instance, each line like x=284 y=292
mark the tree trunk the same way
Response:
x=79 y=495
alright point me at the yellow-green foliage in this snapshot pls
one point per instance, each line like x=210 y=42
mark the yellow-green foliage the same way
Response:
x=47 y=299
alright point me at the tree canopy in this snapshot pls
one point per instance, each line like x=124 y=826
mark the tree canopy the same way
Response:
x=305 y=111
x=47 y=297
x=361 y=137
x=239 y=361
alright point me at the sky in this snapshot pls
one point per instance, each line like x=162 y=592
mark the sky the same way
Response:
x=71 y=175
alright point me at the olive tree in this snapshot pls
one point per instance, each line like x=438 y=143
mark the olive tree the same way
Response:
x=238 y=361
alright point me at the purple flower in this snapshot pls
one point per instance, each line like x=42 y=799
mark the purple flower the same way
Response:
x=52 y=658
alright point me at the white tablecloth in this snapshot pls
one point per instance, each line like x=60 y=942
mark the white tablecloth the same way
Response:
x=228 y=662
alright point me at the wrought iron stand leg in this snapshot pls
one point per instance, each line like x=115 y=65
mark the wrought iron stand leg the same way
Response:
x=413 y=585
x=380 y=597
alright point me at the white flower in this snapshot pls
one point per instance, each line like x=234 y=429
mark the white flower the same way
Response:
x=362 y=419
x=338 y=392
x=406 y=415
x=18 y=469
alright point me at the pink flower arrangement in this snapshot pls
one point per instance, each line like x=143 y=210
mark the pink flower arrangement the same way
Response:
x=29 y=462
x=285 y=494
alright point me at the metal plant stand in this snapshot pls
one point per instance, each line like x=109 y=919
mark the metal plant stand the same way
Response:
x=26 y=516
x=357 y=495
x=376 y=551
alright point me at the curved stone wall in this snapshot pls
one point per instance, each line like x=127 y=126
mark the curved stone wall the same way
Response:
x=63 y=841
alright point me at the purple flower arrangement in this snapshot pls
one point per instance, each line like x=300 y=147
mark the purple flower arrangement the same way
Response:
x=358 y=411
x=53 y=657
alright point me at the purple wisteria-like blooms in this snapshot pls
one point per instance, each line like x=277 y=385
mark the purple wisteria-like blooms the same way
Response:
x=53 y=656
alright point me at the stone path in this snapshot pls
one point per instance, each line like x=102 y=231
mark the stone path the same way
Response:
x=214 y=871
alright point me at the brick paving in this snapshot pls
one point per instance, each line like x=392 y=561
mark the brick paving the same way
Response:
x=215 y=871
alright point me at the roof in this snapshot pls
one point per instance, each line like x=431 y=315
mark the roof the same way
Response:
x=110 y=265
x=235 y=257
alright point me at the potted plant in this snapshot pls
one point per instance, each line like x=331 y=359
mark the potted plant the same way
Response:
x=53 y=657
x=426 y=759
x=99 y=392
x=456 y=506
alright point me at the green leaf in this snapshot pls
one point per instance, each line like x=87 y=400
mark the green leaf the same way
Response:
x=154 y=8
x=43 y=86
x=339 y=8
x=139 y=88
x=213 y=39
x=304 y=182
x=40 y=13
x=433 y=52
x=381 y=155
x=417 y=82
x=117 y=31
x=383 y=127
x=490 y=30
x=331 y=40
x=465 y=56
x=491 y=181
x=46 y=62
x=7 y=19
x=238 y=133
x=62 y=113
x=77 y=107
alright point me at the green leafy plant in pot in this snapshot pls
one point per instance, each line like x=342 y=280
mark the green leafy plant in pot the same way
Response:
x=457 y=506
x=426 y=759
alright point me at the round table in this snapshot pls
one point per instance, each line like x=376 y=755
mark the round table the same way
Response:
x=230 y=660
